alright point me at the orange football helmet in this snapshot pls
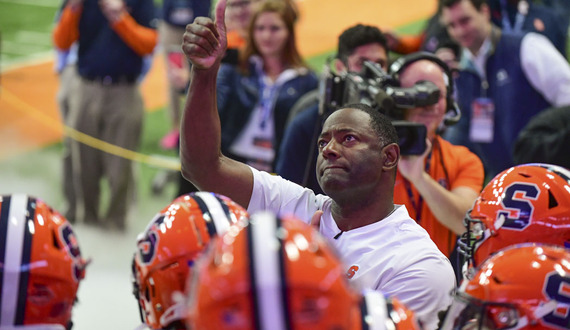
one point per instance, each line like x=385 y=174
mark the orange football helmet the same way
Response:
x=380 y=313
x=525 y=203
x=168 y=248
x=524 y=286
x=272 y=274
x=40 y=267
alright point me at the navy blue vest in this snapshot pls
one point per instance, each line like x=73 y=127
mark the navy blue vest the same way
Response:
x=101 y=51
x=516 y=101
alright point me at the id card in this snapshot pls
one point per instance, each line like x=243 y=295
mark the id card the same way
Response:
x=481 y=128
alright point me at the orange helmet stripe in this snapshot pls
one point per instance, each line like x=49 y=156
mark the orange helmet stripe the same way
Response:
x=216 y=213
x=19 y=240
x=4 y=210
x=373 y=310
x=267 y=271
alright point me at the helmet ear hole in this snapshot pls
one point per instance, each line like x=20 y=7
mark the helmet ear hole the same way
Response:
x=497 y=280
x=147 y=293
x=552 y=202
x=55 y=241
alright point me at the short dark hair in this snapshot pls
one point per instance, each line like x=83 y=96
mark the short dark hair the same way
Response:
x=359 y=35
x=379 y=122
x=449 y=3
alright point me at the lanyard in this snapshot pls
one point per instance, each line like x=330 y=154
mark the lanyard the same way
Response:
x=522 y=10
x=417 y=207
x=267 y=99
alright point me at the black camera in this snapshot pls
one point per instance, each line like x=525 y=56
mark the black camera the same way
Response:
x=374 y=87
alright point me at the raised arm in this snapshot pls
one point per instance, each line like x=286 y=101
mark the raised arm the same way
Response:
x=204 y=44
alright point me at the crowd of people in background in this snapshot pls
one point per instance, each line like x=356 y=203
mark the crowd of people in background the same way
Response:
x=297 y=213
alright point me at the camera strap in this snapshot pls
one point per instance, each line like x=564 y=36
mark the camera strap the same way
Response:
x=419 y=205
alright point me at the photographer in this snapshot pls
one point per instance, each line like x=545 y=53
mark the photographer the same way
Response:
x=356 y=45
x=439 y=185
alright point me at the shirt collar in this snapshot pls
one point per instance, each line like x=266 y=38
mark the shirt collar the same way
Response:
x=477 y=62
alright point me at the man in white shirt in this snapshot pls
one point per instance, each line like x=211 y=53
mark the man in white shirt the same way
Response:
x=505 y=78
x=383 y=248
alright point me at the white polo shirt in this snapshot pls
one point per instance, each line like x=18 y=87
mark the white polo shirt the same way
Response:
x=394 y=255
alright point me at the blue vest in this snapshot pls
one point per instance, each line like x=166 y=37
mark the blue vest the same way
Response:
x=516 y=101
x=101 y=51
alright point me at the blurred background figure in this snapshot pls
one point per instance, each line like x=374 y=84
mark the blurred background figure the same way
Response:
x=67 y=72
x=521 y=287
x=429 y=39
x=113 y=39
x=525 y=203
x=168 y=248
x=41 y=265
x=238 y=16
x=380 y=313
x=176 y=14
x=255 y=97
x=275 y=273
x=65 y=67
x=505 y=78
x=545 y=138
x=450 y=53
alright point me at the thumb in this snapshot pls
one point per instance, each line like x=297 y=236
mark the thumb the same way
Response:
x=316 y=219
x=221 y=18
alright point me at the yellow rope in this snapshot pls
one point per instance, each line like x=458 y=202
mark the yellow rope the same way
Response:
x=89 y=140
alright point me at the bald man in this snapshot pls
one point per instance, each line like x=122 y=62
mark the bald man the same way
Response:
x=439 y=186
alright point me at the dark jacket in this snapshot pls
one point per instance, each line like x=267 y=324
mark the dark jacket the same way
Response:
x=238 y=94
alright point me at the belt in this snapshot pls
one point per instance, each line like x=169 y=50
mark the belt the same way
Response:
x=112 y=80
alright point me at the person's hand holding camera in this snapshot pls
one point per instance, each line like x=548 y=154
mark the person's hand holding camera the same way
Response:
x=412 y=167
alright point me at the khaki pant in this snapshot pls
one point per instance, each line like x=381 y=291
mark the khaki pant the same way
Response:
x=67 y=79
x=114 y=114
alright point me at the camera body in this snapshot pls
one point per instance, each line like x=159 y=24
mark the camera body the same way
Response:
x=374 y=87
